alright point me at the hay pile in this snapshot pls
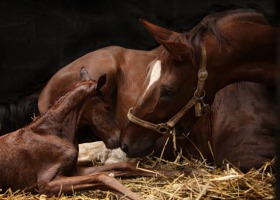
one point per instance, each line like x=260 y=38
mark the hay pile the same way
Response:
x=206 y=182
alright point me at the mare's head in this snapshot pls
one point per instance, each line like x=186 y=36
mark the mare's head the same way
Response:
x=98 y=114
x=170 y=84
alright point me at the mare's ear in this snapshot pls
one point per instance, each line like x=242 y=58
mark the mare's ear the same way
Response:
x=179 y=50
x=101 y=82
x=84 y=75
x=157 y=31
x=172 y=41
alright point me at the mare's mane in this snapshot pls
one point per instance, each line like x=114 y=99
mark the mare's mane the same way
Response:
x=209 y=24
x=192 y=39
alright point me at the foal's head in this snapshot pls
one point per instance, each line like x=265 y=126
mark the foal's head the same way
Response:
x=82 y=105
x=99 y=115
x=171 y=82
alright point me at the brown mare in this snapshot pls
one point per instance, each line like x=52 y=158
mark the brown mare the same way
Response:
x=232 y=46
x=53 y=138
x=126 y=73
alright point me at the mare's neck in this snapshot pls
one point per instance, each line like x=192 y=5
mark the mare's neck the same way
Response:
x=250 y=55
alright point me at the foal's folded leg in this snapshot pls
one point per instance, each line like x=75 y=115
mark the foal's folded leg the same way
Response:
x=66 y=185
x=128 y=169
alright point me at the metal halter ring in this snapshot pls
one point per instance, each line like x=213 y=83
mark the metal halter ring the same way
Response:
x=199 y=97
x=163 y=128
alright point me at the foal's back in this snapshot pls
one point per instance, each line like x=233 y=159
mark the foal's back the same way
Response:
x=24 y=156
x=14 y=155
x=32 y=156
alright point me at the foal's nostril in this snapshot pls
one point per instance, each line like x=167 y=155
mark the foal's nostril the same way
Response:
x=112 y=144
x=113 y=141
x=124 y=147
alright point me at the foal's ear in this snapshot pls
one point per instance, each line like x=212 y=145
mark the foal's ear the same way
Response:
x=101 y=82
x=84 y=75
x=172 y=41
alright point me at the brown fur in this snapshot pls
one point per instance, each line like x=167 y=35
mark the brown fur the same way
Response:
x=127 y=69
x=42 y=157
x=240 y=46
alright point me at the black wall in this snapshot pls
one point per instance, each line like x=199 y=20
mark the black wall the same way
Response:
x=38 y=37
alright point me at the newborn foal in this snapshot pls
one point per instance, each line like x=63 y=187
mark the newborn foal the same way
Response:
x=42 y=157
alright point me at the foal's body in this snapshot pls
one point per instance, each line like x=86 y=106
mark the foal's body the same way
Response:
x=42 y=157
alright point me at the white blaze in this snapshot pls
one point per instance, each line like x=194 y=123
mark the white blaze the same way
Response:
x=155 y=75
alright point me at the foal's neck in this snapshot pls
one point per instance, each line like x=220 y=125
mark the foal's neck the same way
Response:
x=63 y=118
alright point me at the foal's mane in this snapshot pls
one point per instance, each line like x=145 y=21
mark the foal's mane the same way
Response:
x=40 y=119
x=62 y=98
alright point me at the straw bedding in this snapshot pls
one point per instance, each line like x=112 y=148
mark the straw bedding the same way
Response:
x=205 y=182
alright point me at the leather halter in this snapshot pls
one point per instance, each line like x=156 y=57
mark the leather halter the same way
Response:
x=195 y=101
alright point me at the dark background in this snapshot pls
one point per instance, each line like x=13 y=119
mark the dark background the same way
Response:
x=38 y=37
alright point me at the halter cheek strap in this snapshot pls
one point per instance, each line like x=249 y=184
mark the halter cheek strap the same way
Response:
x=195 y=101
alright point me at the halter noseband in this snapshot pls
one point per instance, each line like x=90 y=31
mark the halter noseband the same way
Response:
x=195 y=101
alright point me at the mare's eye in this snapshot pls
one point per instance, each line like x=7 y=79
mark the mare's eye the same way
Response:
x=166 y=93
